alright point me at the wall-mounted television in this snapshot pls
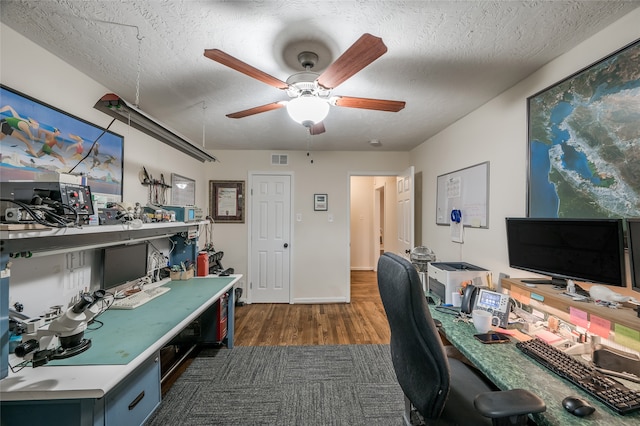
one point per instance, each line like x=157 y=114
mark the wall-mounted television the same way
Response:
x=122 y=264
x=633 y=241
x=590 y=250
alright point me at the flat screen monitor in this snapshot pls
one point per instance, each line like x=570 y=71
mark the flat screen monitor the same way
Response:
x=122 y=264
x=589 y=250
x=633 y=241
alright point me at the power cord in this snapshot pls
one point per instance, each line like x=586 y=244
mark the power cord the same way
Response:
x=46 y=217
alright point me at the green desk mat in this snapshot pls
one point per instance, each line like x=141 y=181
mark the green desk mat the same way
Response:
x=127 y=333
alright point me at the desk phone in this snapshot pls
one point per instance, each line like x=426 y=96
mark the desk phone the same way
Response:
x=497 y=303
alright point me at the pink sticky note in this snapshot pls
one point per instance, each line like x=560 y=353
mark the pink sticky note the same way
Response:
x=547 y=336
x=578 y=317
x=600 y=326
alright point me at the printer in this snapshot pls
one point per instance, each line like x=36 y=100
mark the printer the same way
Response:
x=447 y=277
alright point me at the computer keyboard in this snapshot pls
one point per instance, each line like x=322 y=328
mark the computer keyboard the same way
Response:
x=139 y=298
x=612 y=393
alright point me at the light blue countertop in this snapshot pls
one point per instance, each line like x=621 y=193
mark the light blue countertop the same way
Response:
x=125 y=334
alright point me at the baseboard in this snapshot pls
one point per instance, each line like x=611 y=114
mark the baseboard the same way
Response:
x=318 y=300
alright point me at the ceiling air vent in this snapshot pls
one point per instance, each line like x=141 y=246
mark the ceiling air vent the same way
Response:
x=279 y=159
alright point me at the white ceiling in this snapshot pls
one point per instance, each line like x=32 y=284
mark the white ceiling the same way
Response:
x=445 y=59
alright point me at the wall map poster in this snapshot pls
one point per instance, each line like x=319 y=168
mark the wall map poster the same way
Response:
x=584 y=142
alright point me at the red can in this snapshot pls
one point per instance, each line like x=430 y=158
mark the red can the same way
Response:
x=203 y=264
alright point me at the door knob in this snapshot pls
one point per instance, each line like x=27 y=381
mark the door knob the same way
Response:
x=286 y=245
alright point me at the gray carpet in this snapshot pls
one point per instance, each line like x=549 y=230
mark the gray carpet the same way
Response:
x=285 y=385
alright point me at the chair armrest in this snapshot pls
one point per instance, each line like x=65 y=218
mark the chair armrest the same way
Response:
x=508 y=403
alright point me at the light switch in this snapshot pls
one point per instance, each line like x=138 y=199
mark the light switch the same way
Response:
x=330 y=217
x=298 y=217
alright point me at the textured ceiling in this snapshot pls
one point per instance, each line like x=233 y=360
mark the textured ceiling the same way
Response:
x=445 y=59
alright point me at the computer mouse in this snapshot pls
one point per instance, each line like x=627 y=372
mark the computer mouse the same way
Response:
x=577 y=406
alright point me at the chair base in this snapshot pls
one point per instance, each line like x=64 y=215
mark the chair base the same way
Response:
x=410 y=415
x=528 y=402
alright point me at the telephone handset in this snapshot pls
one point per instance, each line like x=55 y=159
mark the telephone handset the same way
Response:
x=468 y=298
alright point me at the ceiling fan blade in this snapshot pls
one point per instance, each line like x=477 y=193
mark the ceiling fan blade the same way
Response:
x=365 y=103
x=317 y=128
x=365 y=50
x=236 y=64
x=257 y=110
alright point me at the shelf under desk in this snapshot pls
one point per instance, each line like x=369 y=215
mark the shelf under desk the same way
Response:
x=508 y=368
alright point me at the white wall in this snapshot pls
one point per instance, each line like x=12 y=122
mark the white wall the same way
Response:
x=320 y=249
x=497 y=132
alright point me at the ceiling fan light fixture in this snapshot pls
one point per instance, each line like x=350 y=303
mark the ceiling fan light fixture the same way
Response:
x=308 y=109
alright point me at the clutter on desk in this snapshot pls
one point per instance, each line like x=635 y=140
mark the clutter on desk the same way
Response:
x=120 y=213
x=51 y=204
x=215 y=261
x=57 y=334
x=183 y=271
x=129 y=213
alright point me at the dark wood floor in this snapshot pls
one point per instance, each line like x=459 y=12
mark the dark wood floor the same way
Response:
x=362 y=321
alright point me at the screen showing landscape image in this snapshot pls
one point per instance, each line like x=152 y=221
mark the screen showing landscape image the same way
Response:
x=584 y=142
x=38 y=141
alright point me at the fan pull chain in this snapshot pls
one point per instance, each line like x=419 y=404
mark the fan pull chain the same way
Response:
x=309 y=147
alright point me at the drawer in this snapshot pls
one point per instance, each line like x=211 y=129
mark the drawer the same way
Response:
x=133 y=400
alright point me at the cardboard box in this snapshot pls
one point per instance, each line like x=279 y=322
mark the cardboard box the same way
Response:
x=181 y=275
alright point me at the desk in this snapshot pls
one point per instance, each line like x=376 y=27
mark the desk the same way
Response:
x=126 y=343
x=508 y=368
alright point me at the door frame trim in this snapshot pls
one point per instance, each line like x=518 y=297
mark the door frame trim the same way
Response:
x=249 y=200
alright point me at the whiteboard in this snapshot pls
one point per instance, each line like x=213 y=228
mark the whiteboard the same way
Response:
x=466 y=190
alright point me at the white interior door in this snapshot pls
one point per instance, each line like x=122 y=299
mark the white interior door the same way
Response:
x=405 y=211
x=270 y=238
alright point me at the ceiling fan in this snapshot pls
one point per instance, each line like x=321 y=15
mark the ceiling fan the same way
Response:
x=310 y=92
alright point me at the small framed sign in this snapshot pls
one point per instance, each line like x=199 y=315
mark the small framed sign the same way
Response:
x=320 y=202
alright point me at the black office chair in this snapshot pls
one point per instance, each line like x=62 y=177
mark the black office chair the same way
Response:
x=444 y=391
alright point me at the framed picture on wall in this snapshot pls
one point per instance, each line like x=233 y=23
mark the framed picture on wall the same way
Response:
x=183 y=190
x=583 y=152
x=226 y=201
x=39 y=141
x=320 y=202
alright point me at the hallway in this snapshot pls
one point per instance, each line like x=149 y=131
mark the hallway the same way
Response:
x=362 y=321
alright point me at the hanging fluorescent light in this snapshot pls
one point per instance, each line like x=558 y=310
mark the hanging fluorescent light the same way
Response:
x=116 y=107
x=308 y=109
